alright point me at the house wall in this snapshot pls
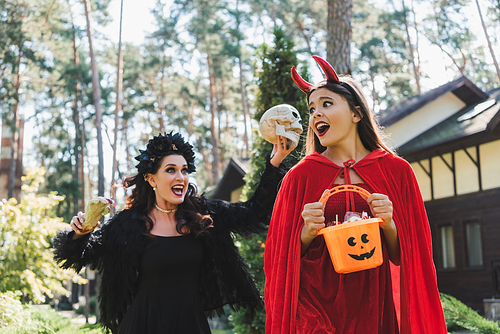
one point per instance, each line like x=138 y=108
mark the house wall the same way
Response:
x=466 y=171
x=442 y=183
x=459 y=172
x=490 y=164
x=470 y=284
x=236 y=194
x=458 y=188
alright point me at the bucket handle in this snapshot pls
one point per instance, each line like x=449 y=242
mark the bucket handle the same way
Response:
x=364 y=193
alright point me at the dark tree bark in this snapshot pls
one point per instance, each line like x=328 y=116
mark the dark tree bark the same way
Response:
x=118 y=107
x=97 y=98
x=213 y=133
x=15 y=129
x=78 y=148
x=339 y=35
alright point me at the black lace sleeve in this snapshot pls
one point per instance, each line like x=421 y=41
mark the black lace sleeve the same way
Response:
x=253 y=215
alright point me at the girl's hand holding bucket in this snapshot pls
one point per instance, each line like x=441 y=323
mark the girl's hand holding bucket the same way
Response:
x=314 y=220
x=381 y=207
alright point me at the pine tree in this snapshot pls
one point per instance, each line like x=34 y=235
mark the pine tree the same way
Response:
x=275 y=86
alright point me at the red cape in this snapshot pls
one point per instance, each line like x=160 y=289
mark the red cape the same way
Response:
x=416 y=296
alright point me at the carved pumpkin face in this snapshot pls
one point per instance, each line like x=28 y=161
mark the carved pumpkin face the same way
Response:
x=362 y=244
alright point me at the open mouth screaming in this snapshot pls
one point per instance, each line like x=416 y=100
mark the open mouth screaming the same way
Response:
x=178 y=190
x=322 y=128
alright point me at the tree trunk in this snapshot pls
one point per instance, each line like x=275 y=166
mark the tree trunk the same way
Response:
x=244 y=107
x=162 y=98
x=86 y=292
x=416 y=68
x=213 y=134
x=218 y=106
x=159 y=99
x=416 y=46
x=82 y=164
x=119 y=83
x=97 y=98
x=15 y=129
x=206 y=162
x=76 y=116
x=125 y=142
x=488 y=40
x=339 y=35
x=221 y=109
x=194 y=105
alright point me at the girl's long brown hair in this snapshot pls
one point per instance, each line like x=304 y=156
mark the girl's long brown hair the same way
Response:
x=369 y=131
x=188 y=216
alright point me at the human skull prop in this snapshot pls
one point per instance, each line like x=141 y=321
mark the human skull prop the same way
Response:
x=282 y=120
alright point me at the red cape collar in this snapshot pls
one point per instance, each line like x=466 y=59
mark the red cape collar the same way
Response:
x=369 y=159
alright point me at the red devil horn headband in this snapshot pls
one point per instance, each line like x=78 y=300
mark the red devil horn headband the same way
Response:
x=331 y=75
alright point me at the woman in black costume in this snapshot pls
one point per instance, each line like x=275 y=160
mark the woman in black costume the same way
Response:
x=168 y=259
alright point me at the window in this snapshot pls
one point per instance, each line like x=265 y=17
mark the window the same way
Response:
x=474 y=246
x=447 y=246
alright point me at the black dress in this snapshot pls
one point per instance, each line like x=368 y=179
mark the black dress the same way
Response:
x=167 y=299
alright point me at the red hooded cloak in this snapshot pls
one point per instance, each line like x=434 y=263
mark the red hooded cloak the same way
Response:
x=416 y=297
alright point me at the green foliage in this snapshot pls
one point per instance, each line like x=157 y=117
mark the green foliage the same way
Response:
x=10 y=309
x=460 y=316
x=275 y=86
x=26 y=231
x=92 y=307
x=29 y=319
x=378 y=34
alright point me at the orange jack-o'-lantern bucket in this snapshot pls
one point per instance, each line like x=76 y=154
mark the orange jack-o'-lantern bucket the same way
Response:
x=353 y=246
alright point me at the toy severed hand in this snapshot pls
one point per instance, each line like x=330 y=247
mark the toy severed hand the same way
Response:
x=86 y=222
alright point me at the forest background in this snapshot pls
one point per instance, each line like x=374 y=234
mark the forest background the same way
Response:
x=195 y=72
x=90 y=96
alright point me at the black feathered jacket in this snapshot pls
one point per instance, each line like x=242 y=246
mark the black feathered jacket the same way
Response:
x=115 y=250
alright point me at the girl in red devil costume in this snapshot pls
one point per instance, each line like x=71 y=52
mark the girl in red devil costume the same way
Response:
x=303 y=293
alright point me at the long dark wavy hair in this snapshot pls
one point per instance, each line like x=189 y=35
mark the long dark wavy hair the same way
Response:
x=188 y=215
x=369 y=131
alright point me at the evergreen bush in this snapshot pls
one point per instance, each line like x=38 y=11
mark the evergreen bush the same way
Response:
x=459 y=316
x=275 y=86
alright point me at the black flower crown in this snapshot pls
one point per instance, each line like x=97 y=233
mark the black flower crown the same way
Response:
x=162 y=145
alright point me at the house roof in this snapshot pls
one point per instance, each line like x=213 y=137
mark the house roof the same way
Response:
x=462 y=87
x=231 y=180
x=470 y=126
x=474 y=123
